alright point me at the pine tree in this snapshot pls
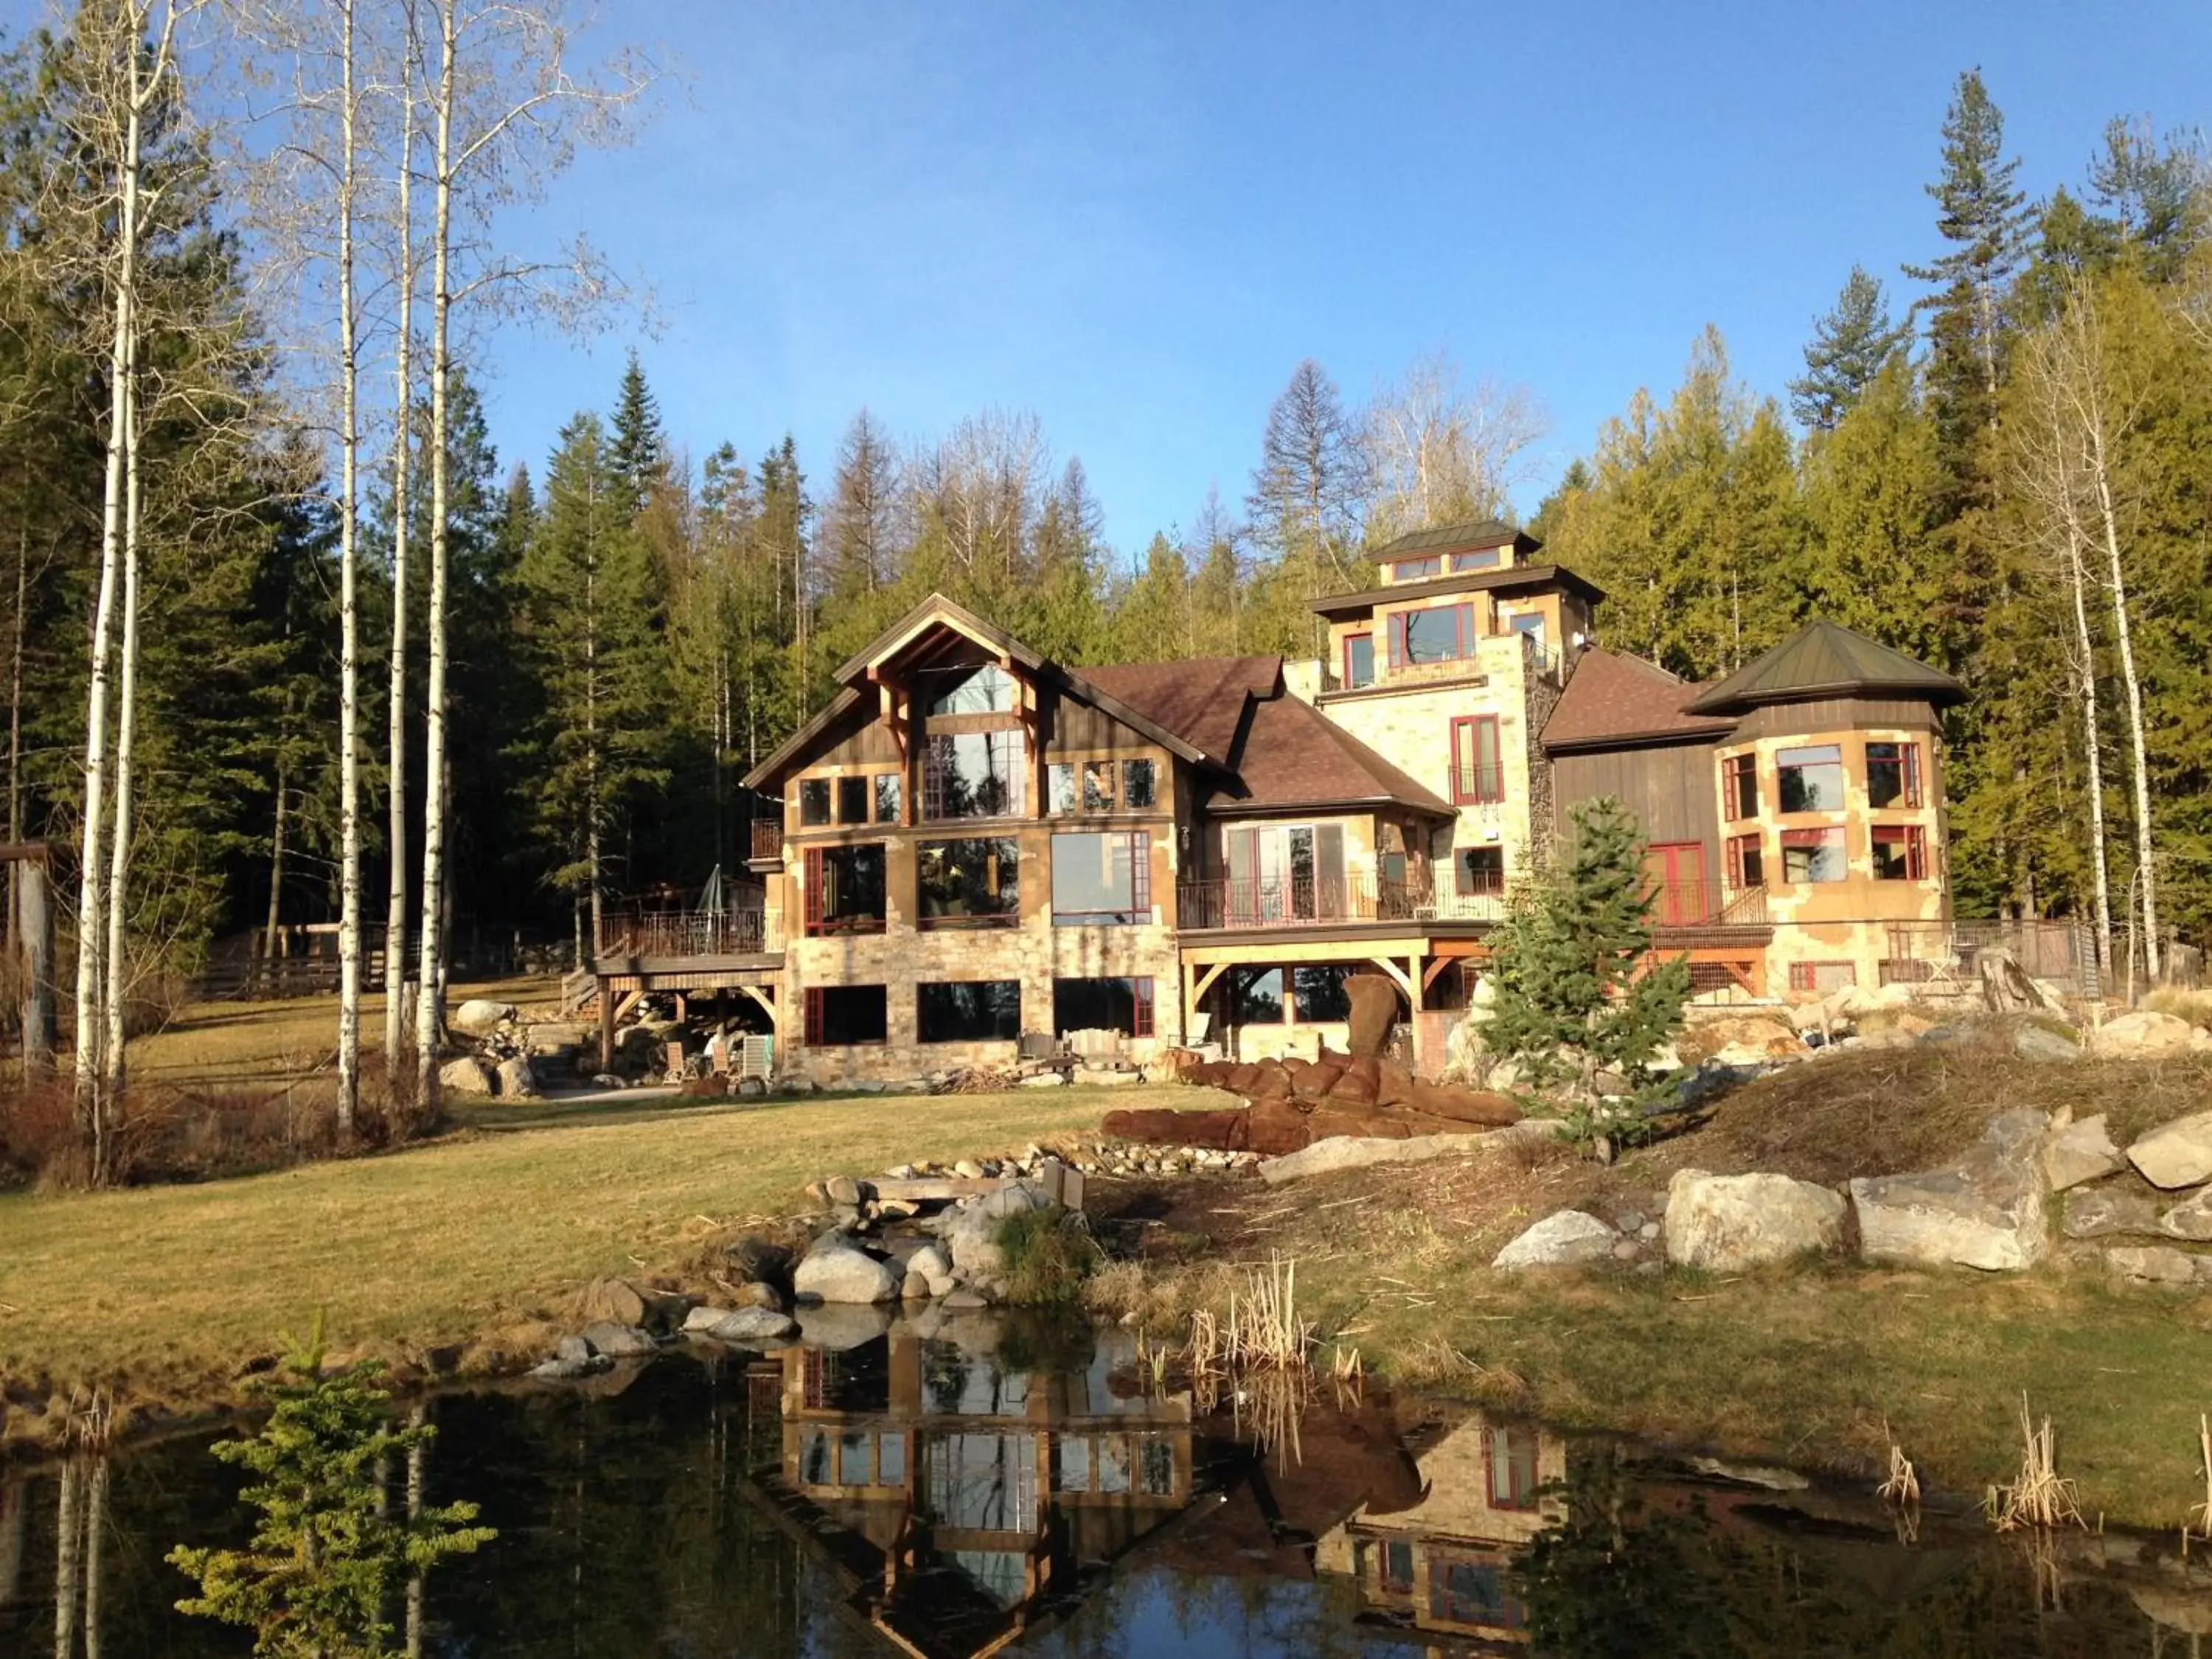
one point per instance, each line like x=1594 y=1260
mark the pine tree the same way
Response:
x=640 y=446
x=861 y=529
x=1850 y=346
x=1578 y=992
x=2159 y=198
x=1304 y=503
x=590 y=611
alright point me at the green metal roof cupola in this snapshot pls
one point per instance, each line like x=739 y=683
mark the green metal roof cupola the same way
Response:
x=1824 y=659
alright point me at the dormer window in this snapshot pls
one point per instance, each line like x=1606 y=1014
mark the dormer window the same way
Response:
x=987 y=690
x=1412 y=570
x=1481 y=558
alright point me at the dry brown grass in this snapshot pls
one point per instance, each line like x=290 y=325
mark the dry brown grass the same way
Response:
x=2195 y=1006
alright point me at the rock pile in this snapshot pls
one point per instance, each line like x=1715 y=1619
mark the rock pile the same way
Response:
x=1290 y=1103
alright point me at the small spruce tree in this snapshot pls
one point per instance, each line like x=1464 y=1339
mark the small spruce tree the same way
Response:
x=1578 y=992
x=325 y=1560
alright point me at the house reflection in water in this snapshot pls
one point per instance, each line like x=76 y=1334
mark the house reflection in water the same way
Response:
x=1444 y=1564
x=960 y=1491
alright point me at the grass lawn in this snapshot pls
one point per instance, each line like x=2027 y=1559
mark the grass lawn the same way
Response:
x=165 y=1291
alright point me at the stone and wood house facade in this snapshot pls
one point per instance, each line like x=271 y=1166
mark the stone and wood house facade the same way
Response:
x=977 y=843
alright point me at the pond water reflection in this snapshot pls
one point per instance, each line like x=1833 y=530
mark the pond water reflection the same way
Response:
x=979 y=1485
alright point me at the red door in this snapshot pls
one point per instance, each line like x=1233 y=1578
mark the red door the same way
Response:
x=1678 y=869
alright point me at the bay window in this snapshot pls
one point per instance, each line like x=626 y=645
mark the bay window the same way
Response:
x=1813 y=855
x=1892 y=775
x=1812 y=778
x=1900 y=852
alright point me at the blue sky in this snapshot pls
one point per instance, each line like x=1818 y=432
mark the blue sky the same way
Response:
x=1137 y=220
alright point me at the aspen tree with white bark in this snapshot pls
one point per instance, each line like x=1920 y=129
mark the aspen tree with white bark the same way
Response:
x=1439 y=452
x=505 y=112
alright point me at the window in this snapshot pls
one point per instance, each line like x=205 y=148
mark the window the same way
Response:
x=1318 y=994
x=1813 y=855
x=1900 y=852
x=1482 y=558
x=1747 y=863
x=887 y=797
x=1411 y=570
x=1442 y=633
x=1358 y=660
x=1530 y=626
x=1822 y=977
x=1481 y=870
x=1398 y=1565
x=969 y=1011
x=973 y=774
x=1101 y=880
x=1059 y=789
x=1257 y=995
x=1098 y=785
x=852 y=801
x=1136 y=787
x=988 y=689
x=1812 y=778
x=1467 y=1592
x=1478 y=772
x=1740 y=787
x=1892 y=775
x=967 y=883
x=1102 y=1004
x=814 y=801
x=842 y=889
x=1509 y=1457
x=839 y=1014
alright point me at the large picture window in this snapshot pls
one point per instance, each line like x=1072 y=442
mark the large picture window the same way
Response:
x=1257 y=996
x=974 y=884
x=842 y=889
x=969 y=1011
x=1812 y=778
x=838 y=1014
x=1481 y=871
x=1442 y=633
x=1318 y=993
x=1813 y=855
x=1101 y=880
x=1892 y=775
x=1102 y=1004
x=984 y=689
x=974 y=774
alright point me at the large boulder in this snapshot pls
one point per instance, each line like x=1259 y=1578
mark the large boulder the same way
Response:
x=516 y=1080
x=742 y=1324
x=479 y=1016
x=838 y=1272
x=971 y=1236
x=1986 y=1210
x=619 y=1341
x=2045 y=1037
x=2191 y=1218
x=1566 y=1238
x=466 y=1076
x=1374 y=1002
x=2075 y=1152
x=1357 y=1152
x=2100 y=1213
x=2145 y=1034
x=1727 y=1224
x=2177 y=1154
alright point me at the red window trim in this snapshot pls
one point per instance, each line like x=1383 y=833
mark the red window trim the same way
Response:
x=1481 y=791
x=1803 y=975
x=1832 y=833
x=1733 y=768
x=1737 y=847
x=1462 y=627
x=1912 y=775
x=1367 y=635
x=1142 y=1018
x=1914 y=838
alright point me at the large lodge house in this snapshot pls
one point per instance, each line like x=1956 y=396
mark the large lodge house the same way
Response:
x=978 y=844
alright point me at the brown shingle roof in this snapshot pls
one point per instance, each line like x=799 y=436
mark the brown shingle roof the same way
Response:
x=1201 y=700
x=1612 y=699
x=1458 y=538
x=1826 y=659
x=1294 y=756
x=1513 y=576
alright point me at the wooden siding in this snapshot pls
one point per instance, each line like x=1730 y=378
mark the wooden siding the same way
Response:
x=1076 y=728
x=1783 y=720
x=865 y=745
x=1672 y=788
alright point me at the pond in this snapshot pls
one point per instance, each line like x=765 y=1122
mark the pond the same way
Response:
x=960 y=1486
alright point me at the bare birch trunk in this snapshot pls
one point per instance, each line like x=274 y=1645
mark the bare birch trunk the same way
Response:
x=69 y=1560
x=395 y=1067
x=95 y=1528
x=428 y=1014
x=348 y=1058
x=271 y=924
x=92 y=875
x=117 y=962
x=2086 y=690
x=2117 y=587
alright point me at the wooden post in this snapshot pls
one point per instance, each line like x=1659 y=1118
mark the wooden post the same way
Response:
x=35 y=923
x=606 y=1025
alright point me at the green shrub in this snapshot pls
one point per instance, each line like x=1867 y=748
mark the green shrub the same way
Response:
x=1048 y=1254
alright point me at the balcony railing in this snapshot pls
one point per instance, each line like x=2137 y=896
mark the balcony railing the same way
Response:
x=1707 y=904
x=1477 y=786
x=767 y=838
x=1299 y=901
x=685 y=933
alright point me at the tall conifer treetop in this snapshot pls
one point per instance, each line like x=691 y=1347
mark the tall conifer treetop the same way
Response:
x=640 y=450
x=1848 y=347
